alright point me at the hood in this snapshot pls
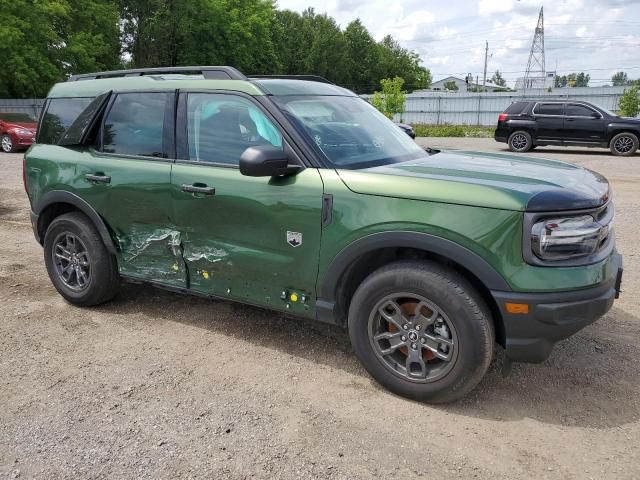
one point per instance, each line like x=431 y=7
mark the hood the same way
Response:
x=29 y=125
x=490 y=180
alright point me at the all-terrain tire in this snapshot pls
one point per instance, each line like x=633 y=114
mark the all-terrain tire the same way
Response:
x=101 y=279
x=468 y=314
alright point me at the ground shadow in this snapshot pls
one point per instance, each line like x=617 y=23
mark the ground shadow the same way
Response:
x=568 y=150
x=591 y=379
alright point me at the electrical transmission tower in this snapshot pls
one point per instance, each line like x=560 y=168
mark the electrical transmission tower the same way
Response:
x=536 y=71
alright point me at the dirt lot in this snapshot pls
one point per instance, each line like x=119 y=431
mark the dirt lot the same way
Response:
x=156 y=385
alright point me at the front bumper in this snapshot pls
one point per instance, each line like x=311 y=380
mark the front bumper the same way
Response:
x=551 y=317
x=23 y=141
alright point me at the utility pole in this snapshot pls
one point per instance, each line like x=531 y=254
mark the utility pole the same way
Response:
x=486 y=55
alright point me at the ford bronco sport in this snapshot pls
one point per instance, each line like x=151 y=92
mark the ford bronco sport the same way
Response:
x=298 y=196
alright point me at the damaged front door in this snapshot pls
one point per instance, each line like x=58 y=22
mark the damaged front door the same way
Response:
x=254 y=239
x=134 y=160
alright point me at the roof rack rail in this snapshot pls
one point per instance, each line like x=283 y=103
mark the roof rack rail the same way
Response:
x=312 y=78
x=211 y=73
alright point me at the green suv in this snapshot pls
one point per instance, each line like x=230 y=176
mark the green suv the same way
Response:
x=296 y=195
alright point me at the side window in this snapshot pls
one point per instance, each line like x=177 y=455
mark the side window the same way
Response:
x=579 y=111
x=134 y=124
x=548 y=109
x=60 y=114
x=221 y=127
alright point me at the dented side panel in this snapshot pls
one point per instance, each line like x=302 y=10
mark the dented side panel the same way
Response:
x=138 y=213
x=256 y=240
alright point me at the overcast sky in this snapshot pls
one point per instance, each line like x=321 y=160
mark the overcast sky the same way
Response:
x=595 y=36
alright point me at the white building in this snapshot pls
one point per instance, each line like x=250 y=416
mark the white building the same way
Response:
x=462 y=85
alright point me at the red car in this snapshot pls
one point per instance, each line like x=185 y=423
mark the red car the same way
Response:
x=18 y=131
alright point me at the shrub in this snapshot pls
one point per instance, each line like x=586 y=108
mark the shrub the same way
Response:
x=629 y=103
x=423 y=130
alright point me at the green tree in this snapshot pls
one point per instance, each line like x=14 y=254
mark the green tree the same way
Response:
x=450 y=85
x=326 y=51
x=576 y=80
x=42 y=42
x=582 y=79
x=392 y=98
x=629 y=103
x=619 y=79
x=363 y=58
x=498 y=79
x=560 y=81
x=398 y=61
x=200 y=32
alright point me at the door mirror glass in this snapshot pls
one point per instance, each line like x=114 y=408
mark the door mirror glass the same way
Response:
x=265 y=161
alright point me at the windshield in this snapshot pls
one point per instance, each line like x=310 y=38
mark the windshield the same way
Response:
x=348 y=131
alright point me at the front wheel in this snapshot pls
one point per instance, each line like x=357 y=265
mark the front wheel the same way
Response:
x=422 y=331
x=624 y=144
x=7 y=144
x=520 y=141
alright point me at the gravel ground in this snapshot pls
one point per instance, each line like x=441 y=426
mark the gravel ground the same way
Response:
x=156 y=385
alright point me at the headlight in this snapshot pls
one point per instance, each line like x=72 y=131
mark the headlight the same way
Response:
x=23 y=131
x=569 y=237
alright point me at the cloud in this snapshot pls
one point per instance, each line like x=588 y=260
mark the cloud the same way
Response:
x=579 y=34
x=487 y=7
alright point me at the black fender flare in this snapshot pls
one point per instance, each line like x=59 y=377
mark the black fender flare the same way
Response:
x=63 y=196
x=614 y=128
x=474 y=263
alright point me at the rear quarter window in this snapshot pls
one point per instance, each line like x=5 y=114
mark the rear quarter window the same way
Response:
x=516 y=108
x=60 y=113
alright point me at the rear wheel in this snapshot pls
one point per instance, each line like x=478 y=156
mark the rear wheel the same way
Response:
x=520 y=141
x=624 y=144
x=78 y=263
x=7 y=144
x=422 y=331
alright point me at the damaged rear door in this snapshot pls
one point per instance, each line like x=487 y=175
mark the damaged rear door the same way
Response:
x=254 y=239
x=133 y=159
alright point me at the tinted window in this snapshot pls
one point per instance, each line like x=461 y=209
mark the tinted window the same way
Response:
x=135 y=123
x=578 y=111
x=516 y=108
x=60 y=114
x=548 y=109
x=76 y=133
x=221 y=127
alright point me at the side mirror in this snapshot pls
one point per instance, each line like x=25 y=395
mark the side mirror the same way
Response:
x=596 y=115
x=266 y=161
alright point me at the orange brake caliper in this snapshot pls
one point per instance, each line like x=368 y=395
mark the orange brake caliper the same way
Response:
x=409 y=309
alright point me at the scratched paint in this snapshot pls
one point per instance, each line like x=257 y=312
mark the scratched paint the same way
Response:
x=154 y=254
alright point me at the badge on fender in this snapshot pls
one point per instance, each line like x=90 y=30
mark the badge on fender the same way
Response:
x=294 y=239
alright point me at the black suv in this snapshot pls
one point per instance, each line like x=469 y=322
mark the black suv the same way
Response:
x=527 y=124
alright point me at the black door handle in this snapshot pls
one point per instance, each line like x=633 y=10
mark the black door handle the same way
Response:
x=198 y=189
x=570 y=119
x=97 y=178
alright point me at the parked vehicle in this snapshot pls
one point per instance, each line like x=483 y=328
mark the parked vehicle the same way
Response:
x=298 y=196
x=17 y=131
x=408 y=129
x=527 y=124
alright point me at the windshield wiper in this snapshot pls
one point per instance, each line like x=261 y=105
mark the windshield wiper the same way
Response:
x=431 y=151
